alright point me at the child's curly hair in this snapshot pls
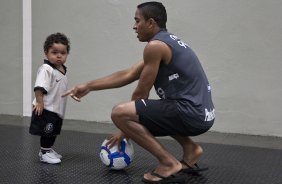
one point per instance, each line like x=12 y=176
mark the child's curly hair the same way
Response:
x=56 y=38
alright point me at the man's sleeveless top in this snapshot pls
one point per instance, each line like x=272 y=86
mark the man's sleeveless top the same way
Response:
x=184 y=80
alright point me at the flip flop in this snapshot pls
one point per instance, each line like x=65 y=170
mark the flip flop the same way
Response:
x=194 y=169
x=174 y=178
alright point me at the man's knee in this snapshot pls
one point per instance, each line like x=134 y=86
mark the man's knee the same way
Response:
x=123 y=112
x=117 y=112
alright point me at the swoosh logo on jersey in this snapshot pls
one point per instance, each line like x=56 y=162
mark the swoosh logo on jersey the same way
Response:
x=57 y=80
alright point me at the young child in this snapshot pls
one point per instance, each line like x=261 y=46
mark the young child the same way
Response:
x=48 y=105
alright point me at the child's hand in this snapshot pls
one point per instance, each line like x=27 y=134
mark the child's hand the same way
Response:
x=38 y=108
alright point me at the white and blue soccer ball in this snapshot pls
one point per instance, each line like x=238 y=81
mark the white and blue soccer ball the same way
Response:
x=115 y=159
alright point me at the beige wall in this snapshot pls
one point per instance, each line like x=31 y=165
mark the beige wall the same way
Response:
x=238 y=42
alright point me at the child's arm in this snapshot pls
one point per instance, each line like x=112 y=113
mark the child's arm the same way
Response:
x=39 y=106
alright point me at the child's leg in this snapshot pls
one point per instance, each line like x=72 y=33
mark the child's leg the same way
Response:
x=46 y=143
x=47 y=154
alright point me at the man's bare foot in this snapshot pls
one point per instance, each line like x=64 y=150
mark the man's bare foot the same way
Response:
x=164 y=171
x=193 y=156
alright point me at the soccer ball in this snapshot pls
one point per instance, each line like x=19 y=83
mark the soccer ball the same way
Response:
x=113 y=158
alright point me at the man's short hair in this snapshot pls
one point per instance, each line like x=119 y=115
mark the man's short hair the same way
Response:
x=154 y=10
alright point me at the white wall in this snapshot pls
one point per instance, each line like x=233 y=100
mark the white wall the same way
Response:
x=238 y=43
x=11 y=57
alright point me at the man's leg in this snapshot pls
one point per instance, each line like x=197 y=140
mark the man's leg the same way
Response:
x=125 y=118
x=191 y=150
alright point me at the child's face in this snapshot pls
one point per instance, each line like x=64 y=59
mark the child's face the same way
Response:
x=57 y=54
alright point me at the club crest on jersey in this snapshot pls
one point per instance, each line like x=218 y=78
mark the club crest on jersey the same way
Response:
x=173 y=76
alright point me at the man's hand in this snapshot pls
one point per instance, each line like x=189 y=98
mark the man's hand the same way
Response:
x=77 y=92
x=115 y=139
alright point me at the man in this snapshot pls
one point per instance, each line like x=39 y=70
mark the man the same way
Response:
x=185 y=108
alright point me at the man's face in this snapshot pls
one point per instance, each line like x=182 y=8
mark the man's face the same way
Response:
x=141 y=27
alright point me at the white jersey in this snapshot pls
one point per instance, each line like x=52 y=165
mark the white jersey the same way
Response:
x=53 y=83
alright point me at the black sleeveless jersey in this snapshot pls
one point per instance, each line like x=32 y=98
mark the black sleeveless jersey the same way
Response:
x=184 y=80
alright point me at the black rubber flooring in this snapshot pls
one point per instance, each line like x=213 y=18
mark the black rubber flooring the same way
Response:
x=81 y=163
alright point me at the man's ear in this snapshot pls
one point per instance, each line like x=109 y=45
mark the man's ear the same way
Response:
x=152 y=22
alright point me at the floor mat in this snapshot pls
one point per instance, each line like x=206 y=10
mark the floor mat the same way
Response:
x=81 y=163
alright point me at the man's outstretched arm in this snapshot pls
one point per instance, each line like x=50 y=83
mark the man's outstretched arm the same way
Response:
x=115 y=80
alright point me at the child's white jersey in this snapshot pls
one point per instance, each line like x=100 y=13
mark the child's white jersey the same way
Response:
x=53 y=83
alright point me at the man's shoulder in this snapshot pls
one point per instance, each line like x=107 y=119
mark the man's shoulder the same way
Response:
x=155 y=43
x=155 y=46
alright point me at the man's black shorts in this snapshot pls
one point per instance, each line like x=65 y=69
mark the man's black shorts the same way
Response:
x=47 y=124
x=162 y=118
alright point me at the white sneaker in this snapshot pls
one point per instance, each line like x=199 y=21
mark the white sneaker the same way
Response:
x=56 y=154
x=53 y=152
x=49 y=158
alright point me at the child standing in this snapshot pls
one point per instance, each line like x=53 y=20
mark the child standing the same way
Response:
x=48 y=105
